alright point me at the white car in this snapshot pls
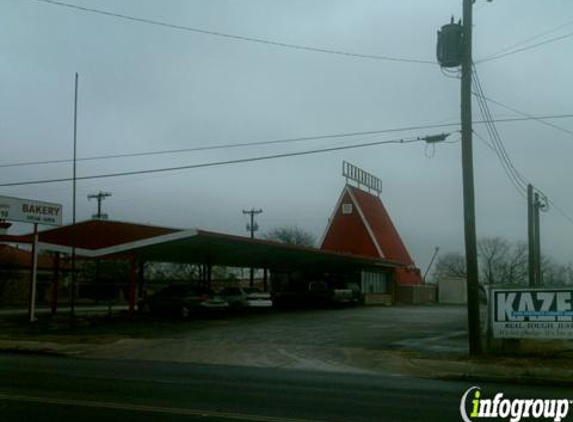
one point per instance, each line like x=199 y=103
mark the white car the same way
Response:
x=246 y=297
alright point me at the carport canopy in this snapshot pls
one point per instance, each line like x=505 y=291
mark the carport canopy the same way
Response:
x=198 y=246
x=106 y=239
x=102 y=239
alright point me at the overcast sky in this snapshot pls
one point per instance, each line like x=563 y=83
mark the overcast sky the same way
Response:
x=146 y=88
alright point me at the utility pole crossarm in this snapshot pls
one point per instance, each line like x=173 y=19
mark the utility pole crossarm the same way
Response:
x=100 y=196
x=252 y=227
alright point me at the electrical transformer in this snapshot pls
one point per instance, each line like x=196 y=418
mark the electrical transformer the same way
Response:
x=450 y=45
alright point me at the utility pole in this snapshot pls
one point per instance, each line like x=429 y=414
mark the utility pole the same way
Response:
x=468 y=184
x=537 y=205
x=534 y=206
x=100 y=196
x=252 y=227
x=530 y=236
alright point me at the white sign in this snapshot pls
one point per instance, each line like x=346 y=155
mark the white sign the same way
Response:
x=542 y=313
x=28 y=211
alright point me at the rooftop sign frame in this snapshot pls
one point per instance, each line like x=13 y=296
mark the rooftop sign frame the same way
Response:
x=356 y=174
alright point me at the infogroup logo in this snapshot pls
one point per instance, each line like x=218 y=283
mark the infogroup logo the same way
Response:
x=474 y=407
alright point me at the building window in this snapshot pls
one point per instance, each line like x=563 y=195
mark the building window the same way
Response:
x=374 y=282
x=346 y=208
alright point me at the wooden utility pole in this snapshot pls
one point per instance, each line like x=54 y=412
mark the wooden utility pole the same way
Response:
x=252 y=227
x=99 y=197
x=468 y=185
x=537 y=206
x=534 y=206
x=530 y=236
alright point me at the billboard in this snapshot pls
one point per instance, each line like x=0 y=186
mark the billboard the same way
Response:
x=28 y=211
x=529 y=313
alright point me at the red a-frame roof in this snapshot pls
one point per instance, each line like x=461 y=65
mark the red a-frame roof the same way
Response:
x=368 y=230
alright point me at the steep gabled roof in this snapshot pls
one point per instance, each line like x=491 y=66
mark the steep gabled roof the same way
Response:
x=377 y=227
x=380 y=226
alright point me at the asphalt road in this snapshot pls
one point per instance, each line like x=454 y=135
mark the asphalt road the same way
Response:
x=38 y=388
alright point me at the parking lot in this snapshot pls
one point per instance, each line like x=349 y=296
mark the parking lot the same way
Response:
x=328 y=339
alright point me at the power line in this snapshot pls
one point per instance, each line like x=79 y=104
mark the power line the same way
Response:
x=217 y=163
x=513 y=173
x=235 y=145
x=519 y=50
x=234 y=36
x=525 y=41
x=514 y=176
x=485 y=141
x=553 y=125
x=560 y=210
x=283 y=141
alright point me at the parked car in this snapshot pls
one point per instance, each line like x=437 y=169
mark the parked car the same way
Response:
x=347 y=293
x=246 y=297
x=182 y=300
x=314 y=294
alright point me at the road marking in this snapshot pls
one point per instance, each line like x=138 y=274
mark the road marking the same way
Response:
x=151 y=409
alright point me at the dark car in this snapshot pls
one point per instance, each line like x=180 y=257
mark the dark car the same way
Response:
x=182 y=300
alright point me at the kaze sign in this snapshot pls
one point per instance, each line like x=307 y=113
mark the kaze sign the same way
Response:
x=28 y=211
x=532 y=313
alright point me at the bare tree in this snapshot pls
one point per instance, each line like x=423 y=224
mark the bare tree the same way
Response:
x=171 y=271
x=449 y=265
x=292 y=235
x=501 y=262
x=555 y=274
x=516 y=270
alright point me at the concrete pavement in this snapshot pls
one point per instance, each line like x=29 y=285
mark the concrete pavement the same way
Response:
x=426 y=341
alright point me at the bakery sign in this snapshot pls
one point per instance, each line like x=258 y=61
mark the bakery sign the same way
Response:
x=532 y=313
x=29 y=211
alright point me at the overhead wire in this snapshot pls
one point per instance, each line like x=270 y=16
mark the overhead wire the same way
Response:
x=552 y=125
x=513 y=174
x=234 y=36
x=529 y=47
x=485 y=141
x=515 y=177
x=559 y=210
x=525 y=41
x=213 y=164
x=277 y=141
x=233 y=145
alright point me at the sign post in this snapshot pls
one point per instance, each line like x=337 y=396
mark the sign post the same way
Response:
x=34 y=274
x=35 y=212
